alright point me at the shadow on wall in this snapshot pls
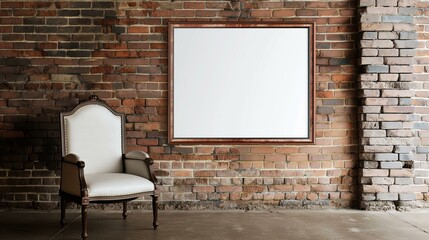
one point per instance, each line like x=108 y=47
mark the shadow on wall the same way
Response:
x=41 y=76
x=31 y=143
x=30 y=157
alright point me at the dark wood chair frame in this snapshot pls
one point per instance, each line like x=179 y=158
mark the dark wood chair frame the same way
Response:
x=84 y=200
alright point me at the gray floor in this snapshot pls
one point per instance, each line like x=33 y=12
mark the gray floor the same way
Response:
x=221 y=225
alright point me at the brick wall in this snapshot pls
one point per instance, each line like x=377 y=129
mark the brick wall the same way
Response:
x=55 y=54
x=393 y=113
x=420 y=100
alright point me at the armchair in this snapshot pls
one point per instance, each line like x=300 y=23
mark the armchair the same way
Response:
x=94 y=168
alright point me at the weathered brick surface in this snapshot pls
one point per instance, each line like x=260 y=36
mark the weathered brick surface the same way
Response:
x=420 y=164
x=55 y=54
x=388 y=47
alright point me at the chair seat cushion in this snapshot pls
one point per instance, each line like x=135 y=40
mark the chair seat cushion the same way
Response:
x=116 y=184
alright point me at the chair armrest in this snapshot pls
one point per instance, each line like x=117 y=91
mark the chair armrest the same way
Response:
x=139 y=163
x=137 y=155
x=72 y=176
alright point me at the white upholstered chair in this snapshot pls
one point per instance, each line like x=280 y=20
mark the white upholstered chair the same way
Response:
x=94 y=167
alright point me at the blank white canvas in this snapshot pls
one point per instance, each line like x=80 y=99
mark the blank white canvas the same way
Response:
x=241 y=83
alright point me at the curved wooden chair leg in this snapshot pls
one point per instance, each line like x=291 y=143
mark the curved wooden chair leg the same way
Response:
x=84 y=222
x=125 y=210
x=63 y=212
x=155 y=211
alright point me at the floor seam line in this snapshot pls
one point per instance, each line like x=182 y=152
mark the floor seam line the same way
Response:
x=415 y=226
x=64 y=228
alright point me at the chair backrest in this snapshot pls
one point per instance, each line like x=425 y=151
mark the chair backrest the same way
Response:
x=94 y=132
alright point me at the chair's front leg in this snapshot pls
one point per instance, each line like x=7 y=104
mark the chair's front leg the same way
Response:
x=125 y=210
x=84 y=222
x=63 y=211
x=155 y=210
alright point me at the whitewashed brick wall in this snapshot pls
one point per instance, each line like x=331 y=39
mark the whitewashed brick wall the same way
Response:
x=389 y=123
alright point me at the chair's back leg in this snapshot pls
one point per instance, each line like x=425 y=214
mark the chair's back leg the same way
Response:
x=125 y=210
x=84 y=222
x=63 y=211
x=155 y=210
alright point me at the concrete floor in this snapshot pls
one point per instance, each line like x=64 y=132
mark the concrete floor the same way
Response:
x=220 y=225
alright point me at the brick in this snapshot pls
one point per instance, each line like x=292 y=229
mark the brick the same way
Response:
x=380 y=101
x=23 y=29
x=387 y=196
x=370 y=18
x=382 y=10
x=388 y=52
x=422 y=149
x=405 y=43
x=376 y=27
x=408 y=188
x=408 y=35
x=375 y=173
x=369 y=93
x=379 y=43
x=333 y=102
x=421 y=125
x=375 y=189
x=388 y=35
x=388 y=77
x=400 y=133
x=401 y=173
x=371 y=60
x=401 y=69
x=369 y=35
x=283 y=13
x=203 y=189
x=408 y=11
x=390 y=141
x=404 y=181
x=382 y=180
x=405 y=77
x=68 y=13
x=391 y=165
x=377 y=69
x=405 y=149
x=371 y=109
x=229 y=189
x=366 y=3
x=369 y=52
x=107 y=5
x=385 y=156
x=181 y=173
x=325 y=110
x=399 y=60
x=398 y=109
x=387 y=3
x=407 y=196
x=369 y=149
x=397 y=19
x=397 y=93
x=368 y=197
x=374 y=133
x=407 y=52
x=306 y=12
x=403 y=27
x=407 y=3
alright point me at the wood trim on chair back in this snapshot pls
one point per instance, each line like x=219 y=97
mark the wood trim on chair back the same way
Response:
x=94 y=132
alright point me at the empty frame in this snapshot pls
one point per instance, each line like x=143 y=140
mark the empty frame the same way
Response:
x=241 y=82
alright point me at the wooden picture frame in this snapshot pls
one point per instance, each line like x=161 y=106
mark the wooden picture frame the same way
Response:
x=241 y=82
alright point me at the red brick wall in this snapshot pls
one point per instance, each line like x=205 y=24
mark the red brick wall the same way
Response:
x=53 y=55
